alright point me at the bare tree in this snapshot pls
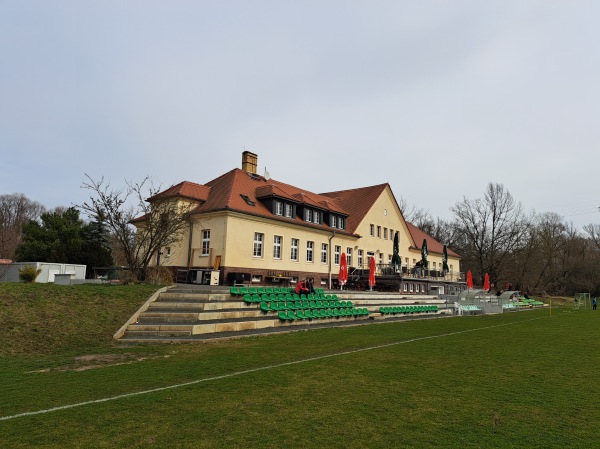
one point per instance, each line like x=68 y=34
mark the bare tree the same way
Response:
x=493 y=227
x=15 y=210
x=158 y=221
x=593 y=231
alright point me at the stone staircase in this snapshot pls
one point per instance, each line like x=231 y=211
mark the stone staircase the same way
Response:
x=195 y=312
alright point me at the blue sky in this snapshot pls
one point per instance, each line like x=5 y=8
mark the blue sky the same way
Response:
x=438 y=98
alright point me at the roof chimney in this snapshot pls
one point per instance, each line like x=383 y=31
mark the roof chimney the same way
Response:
x=249 y=162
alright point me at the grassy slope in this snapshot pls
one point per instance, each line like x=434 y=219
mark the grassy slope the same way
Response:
x=48 y=319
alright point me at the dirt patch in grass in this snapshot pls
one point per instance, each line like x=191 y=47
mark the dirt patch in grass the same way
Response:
x=95 y=361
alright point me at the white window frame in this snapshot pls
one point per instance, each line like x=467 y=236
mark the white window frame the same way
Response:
x=360 y=258
x=278 y=208
x=337 y=254
x=310 y=248
x=288 y=210
x=259 y=238
x=349 y=256
x=308 y=215
x=277 y=239
x=372 y=230
x=294 y=249
x=205 y=242
x=324 y=248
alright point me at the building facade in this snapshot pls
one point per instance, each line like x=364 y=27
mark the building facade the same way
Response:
x=259 y=230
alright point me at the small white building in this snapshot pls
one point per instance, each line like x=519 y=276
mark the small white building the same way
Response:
x=10 y=272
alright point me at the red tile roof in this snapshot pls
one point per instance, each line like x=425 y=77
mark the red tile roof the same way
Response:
x=226 y=194
x=185 y=189
x=433 y=246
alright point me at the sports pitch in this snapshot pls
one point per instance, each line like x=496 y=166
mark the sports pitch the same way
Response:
x=520 y=379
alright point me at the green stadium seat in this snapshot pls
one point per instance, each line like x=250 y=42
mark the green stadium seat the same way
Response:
x=255 y=297
x=243 y=290
x=260 y=290
x=234 y=291
x=265 y=306
x=247 y=297
x=283 y=316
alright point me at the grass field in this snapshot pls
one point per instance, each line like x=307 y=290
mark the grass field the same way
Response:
x=521 y=379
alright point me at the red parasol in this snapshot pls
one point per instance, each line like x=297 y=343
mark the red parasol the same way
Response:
x=486 y=282
x=343 y=276
x=469 y=279
x=371 y=272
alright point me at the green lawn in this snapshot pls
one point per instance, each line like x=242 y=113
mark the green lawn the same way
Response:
x=522 y=379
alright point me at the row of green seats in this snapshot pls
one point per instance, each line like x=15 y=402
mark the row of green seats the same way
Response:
x=248 y=297
x=259 y=290
x=309 y=314
x=408 y=309
x=299 y=305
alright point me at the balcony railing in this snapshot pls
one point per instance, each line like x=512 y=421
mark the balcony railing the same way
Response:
x=411 y=272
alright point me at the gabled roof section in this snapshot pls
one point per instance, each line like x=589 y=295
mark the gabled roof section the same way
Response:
x=433 y=246
x=357 y=202
x=185 y=189
x=240 y=191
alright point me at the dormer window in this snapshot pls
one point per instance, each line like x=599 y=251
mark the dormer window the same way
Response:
x=308 y=215
x=288 y=211
x=278 y=208
x=336 y=222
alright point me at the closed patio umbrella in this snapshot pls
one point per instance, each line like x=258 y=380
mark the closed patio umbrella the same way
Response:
x=486 y=282
x=343 y=275
x=396 y=261
x=371 y=272
x=469 y=279
x=424 y=255
x=445 y=267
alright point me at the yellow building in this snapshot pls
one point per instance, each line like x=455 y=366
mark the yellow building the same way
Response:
x=258 y=230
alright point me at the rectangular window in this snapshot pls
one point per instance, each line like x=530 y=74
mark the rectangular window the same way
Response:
x=294 y=250
x=341 y=223
x=310 y=246
x=258 y=244
x=391 y=234
x=278 y=208
x=380 y=259
x=389 y=259
x=385 y=233
x=277 y=247
x=317 y=218
x=308 y=215
x=360 y=258
x=405 y=287
x=333 y=220
x=324 y=252
x=337 y=251
x=349 y=256
x=205 y=242
x=378 y=232
x=372 y=230
x=288 y=210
